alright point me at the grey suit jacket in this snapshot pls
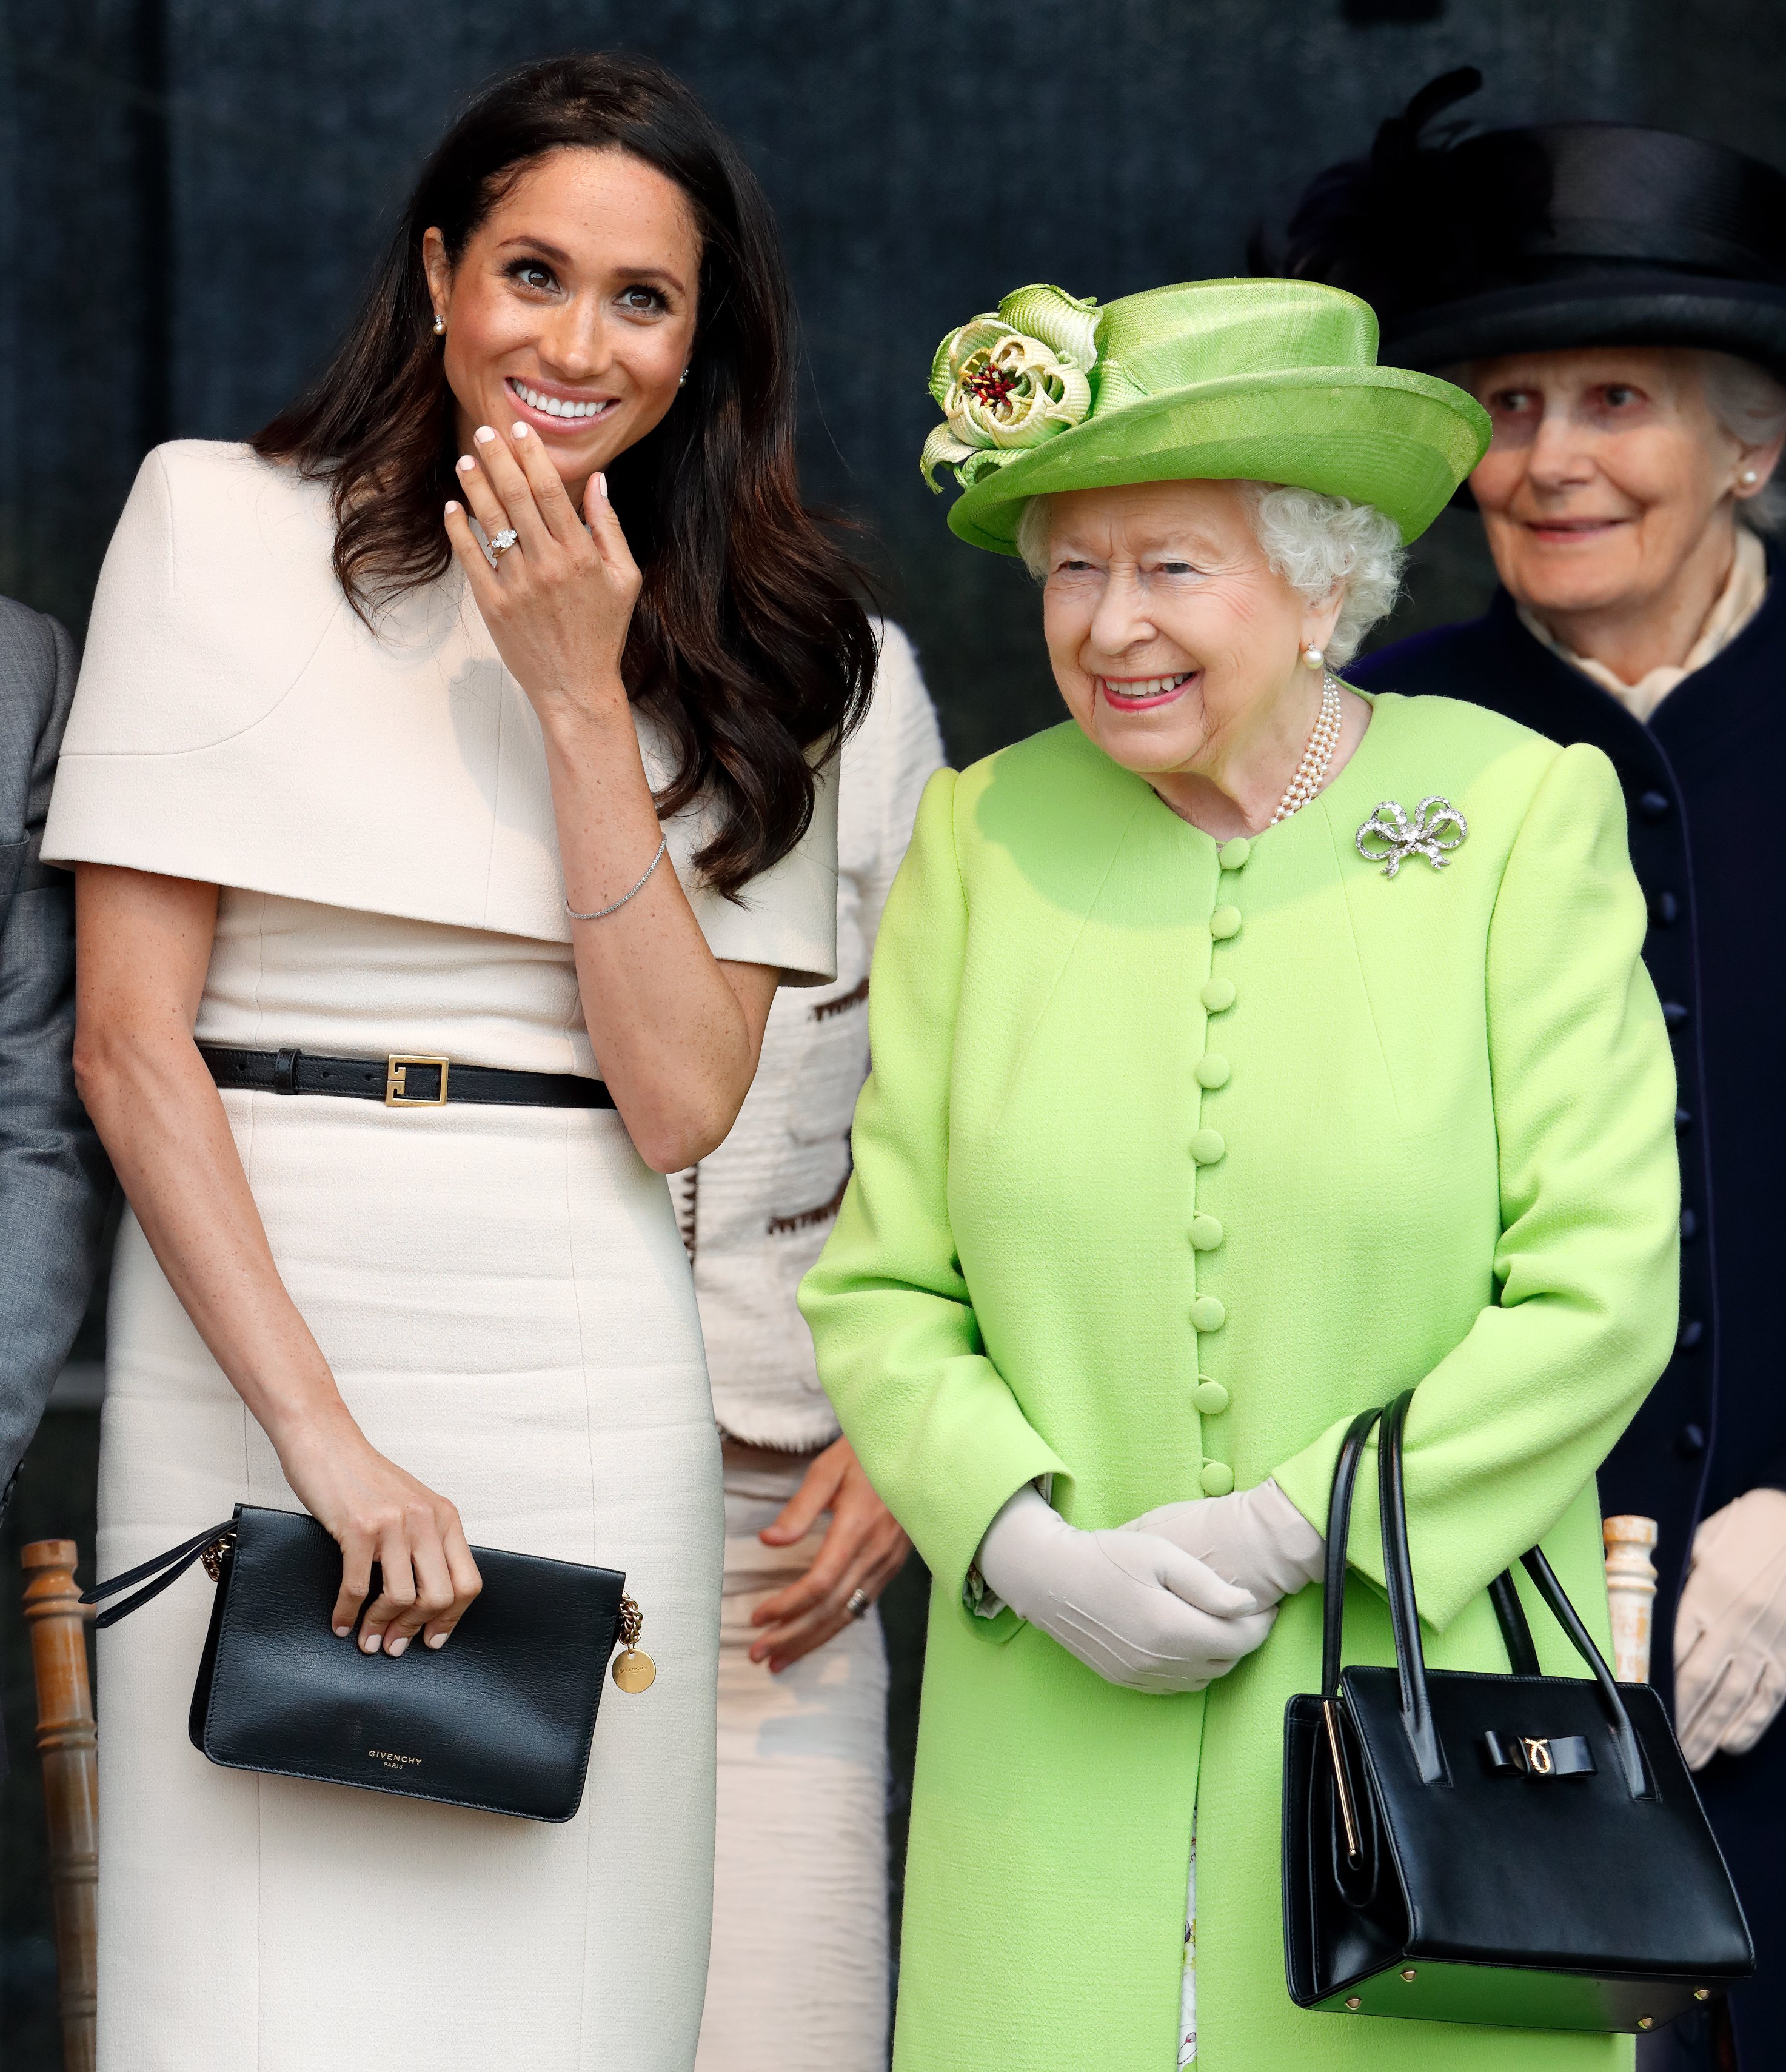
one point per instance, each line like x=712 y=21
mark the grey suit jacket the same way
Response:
x=54 y=1183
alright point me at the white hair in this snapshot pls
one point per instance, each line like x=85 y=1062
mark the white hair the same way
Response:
x=1317 y=544
x=1750 y=406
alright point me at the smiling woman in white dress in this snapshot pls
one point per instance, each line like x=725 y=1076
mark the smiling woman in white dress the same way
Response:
x=383 y=723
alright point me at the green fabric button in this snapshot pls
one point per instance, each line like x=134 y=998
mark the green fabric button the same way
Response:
x=1212 y=1069
x=1224 y=922
x=1206 y=1232
x=1233 y=856
x=1218 y=995
x=1208 y=1145
x=1210 y=1397
x=1208 y=1314
x=1217 y=1478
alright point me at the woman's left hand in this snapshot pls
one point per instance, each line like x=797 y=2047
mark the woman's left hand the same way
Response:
x=864 y=1549
x=559 y=601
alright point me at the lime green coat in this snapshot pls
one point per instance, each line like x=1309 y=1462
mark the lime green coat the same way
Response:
x=1106 y=1227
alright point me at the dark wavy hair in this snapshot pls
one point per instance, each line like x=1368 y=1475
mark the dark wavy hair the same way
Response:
x=749 y=644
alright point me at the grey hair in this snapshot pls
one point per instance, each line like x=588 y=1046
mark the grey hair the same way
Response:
x=1317 y=544
x=1750 y=406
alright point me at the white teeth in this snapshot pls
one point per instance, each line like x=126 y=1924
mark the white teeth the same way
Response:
x=554 y=406
x=1149 y=687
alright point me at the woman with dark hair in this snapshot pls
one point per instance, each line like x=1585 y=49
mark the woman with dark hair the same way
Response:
x=460 y=754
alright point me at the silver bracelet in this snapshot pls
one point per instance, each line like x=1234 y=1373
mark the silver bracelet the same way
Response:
x=602 y=913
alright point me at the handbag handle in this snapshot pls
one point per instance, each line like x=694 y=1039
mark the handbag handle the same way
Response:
x=173 y=1564
x=1404 y=1612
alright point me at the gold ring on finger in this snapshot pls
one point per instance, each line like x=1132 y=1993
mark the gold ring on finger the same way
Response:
x=856 y=1604
x=501 y=542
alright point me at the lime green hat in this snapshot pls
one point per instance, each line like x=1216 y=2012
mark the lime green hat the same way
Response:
x=1261 y=381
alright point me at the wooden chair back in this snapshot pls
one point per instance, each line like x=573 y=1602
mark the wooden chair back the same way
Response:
x=67 y=1743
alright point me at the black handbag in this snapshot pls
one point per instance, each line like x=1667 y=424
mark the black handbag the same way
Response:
x=501 y=1719
x=1518 y=1852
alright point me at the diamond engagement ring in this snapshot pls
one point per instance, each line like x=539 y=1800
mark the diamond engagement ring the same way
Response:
x=501 y=542
x=857 y=1603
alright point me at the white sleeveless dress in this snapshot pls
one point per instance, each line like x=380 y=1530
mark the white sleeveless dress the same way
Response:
x=502 y=1293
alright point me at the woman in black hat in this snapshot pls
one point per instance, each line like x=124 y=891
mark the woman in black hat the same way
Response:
x=1616 y=298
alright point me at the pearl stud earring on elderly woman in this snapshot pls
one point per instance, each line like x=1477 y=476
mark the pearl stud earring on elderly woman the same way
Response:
x=1245 y=1050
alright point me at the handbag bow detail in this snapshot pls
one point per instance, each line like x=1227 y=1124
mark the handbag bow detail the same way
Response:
x=1424 y=835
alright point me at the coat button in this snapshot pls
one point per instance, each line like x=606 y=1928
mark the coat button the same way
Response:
x=1218 y=995
x=1217 y=1478
x=1683 y=1117
x=1664 y=909
x=1207 y=1146
x=1210 y=1398
x=1206 y=1232
x=1212 y=1069
x=1226 y=922
x=1689 y=1442
x=1654 y=805
x=1691 y=1333
x=1233 y=856
x=1208 y=1314
x=1689 y=1226
x=1673 y=1014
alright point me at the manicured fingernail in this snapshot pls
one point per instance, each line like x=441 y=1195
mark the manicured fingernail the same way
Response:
x=368 y=1643
x=465 y=463
x=396 y=1648
x=341 y=1632
x=600 y=483
x=520 y=431
x=484 y=435
x=437 y=1640
x=450 y=508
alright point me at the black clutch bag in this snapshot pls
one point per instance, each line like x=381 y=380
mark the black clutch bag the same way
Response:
x=499 y=1719
x=1519 y=1852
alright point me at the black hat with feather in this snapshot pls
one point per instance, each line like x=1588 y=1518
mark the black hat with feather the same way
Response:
x=1534 y=240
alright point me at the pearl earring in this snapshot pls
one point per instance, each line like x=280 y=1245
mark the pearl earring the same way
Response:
x=1748 y=478
x=440 y=325
x=682 y=379
x=1314 y=659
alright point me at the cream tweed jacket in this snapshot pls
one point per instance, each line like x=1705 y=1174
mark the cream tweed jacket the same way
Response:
x=755 y=1213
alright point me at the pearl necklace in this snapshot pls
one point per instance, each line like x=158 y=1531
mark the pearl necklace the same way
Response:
x=1312 y=772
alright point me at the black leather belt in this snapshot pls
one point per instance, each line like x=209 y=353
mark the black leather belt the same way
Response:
x=404 y=1079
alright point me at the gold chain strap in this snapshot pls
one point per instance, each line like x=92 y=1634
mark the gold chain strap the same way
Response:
x=633 y=1670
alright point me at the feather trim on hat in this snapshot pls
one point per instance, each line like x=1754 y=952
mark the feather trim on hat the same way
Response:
x=1418 y=220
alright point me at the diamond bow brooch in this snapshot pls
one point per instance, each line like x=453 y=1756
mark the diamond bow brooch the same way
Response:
x=1389 y=837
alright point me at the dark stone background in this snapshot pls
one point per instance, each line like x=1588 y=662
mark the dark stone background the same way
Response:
x=191 y=192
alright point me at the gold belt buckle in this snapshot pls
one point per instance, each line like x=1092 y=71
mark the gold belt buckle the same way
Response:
x=396 y=1095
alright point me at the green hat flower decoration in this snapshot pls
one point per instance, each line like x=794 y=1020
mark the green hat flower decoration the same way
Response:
x=1256 y=380
x=1011 y=379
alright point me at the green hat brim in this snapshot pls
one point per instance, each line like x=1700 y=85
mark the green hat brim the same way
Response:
x=1384 y=436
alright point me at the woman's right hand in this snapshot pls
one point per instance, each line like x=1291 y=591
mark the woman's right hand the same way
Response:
x=376 y=1511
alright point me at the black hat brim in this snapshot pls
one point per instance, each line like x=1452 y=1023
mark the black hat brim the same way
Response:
x=1624 y=308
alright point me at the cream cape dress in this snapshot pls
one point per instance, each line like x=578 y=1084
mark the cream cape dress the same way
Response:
x=502 y=1293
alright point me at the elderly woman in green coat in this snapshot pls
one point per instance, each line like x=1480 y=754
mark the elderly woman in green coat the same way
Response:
x=1244 y=1051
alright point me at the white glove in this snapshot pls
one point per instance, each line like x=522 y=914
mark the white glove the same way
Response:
x=1729 y=1633
x=1135 y=1609
x=1256 y=1539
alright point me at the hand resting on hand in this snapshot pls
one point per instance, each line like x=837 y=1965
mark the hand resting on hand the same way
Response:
x=1134 y=1608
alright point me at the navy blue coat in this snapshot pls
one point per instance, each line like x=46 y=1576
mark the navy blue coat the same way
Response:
x=1708 y=840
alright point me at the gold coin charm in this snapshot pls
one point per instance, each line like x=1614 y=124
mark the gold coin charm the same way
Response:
x=634 y=1670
